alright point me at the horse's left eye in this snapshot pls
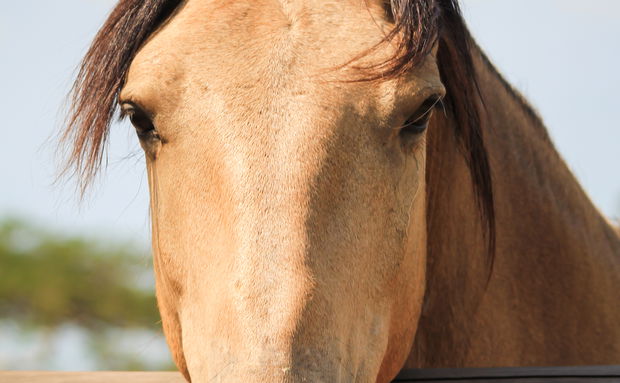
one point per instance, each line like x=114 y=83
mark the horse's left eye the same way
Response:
x=418 y=122
x=416 y=126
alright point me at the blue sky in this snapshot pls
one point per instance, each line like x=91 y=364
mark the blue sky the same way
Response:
x=562 y=54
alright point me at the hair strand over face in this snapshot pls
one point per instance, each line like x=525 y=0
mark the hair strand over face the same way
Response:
x=99 y=80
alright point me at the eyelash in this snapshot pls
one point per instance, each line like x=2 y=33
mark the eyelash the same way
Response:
x=418 y=122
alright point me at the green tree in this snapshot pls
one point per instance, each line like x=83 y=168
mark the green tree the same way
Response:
x=48 y=280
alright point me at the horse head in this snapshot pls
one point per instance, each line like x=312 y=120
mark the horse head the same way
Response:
x=286 y=146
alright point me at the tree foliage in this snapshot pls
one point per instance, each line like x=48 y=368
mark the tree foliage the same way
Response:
x=47 y=280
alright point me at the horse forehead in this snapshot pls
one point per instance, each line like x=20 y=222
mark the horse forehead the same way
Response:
x=236 y=44
x=291 y=10
x=246 y=26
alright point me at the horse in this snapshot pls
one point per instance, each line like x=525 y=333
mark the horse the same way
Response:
x=340 y=189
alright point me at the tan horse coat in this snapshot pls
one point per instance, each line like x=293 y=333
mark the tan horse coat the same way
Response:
x=553 y=298
x=306 y=224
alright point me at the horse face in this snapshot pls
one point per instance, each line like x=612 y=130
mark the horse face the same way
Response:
x=288 y=206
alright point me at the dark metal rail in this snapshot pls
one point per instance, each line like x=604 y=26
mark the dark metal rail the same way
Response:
x=586 y=374
x=577 y=374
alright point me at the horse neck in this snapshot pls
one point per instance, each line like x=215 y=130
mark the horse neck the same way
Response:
x=552 y=296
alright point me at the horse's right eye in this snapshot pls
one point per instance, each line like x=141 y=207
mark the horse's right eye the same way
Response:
x=141 y=121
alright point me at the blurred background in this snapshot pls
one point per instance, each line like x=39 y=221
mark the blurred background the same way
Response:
x=76 y=285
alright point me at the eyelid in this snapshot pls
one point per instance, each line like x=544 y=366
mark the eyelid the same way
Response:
x=129 y=107
x=427 y=107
